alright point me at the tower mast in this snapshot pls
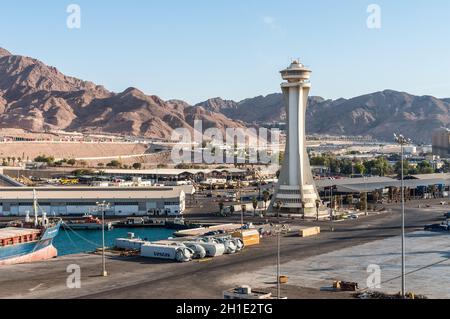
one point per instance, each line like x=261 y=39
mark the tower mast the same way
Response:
x=296 y=188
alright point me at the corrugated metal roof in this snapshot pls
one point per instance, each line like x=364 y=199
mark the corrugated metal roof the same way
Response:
x=170 y=171
x=432 y=176
x=89 y=193
x=353 y=181
x=369 y=185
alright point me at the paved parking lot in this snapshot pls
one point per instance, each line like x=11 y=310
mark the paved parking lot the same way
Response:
x=427 y=266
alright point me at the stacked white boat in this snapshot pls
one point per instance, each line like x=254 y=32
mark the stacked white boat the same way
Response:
x=183 y=251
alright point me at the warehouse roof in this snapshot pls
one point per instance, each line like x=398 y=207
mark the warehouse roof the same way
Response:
x=89 y=193
x=357 y=185
x=432 y=176
x=171 y=171
x=354 y=181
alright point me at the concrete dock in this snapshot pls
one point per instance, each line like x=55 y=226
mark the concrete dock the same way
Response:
x=311 y=263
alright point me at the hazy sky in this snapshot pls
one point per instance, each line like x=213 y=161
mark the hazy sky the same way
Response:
x=197 y=49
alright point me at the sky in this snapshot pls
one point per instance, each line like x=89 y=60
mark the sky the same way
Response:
x=198 y=49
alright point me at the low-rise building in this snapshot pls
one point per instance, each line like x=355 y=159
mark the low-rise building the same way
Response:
x=72 y=201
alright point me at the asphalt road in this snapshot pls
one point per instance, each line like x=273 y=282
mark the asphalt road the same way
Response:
x=144 y=278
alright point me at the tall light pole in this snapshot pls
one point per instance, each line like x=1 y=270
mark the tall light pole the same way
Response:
x=366 y=195
x=103 y=206
x=279 y=204
x=400 y=139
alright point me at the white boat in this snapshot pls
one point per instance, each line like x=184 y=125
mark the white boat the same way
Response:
x=88 y=222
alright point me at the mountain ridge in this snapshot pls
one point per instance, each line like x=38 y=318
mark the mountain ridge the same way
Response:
x=38 y=97
x=379 y=114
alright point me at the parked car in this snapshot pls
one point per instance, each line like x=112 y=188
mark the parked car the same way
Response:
x=437 y=227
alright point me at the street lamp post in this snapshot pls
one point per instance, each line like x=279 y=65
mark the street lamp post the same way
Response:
x=366 y=194
x=400 y=139
x=103 y=206
x=279 y=204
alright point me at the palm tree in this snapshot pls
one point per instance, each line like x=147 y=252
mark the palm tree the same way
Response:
x=317 y=208
x=255 y=205
x=303 y=208
x=349 y=199
x=266 y=197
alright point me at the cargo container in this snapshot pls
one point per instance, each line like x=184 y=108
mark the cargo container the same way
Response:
x=129 y=243
x=249 y=237
x=199 y=251
x=309 y=231
x=212 y=249
x=174 y=252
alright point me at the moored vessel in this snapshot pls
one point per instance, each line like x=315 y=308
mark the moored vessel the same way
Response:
x=29 y=241
x=88 y=222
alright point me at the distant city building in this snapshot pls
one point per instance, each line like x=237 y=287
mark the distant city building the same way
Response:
x=441 y=143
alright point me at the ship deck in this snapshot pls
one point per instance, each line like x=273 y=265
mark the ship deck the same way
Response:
x=13 y=232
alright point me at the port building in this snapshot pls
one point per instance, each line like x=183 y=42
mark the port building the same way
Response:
x=419 y=186
x=76 y=201
x=441 y=143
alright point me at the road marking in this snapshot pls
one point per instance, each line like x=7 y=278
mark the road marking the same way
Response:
x=33 y=289
x=204 y=260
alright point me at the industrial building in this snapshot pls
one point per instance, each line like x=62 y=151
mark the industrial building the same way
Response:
x=73 y=201
x=441 y=143
x=164 y=174
x=418 y=185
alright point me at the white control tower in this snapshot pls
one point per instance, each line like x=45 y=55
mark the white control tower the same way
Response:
x=296 y=192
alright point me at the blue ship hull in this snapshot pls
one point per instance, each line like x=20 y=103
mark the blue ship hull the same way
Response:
x=24 y=249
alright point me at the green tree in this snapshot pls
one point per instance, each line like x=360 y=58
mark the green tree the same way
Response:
x=72 y=162
x=359 y=168
x=44 y=159
x=362 y=201
x=137 y=165
x=114 y=163
x=425 y=167
x=398 y=167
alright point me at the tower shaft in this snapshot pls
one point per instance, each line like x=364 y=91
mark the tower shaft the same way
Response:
x=296 y=192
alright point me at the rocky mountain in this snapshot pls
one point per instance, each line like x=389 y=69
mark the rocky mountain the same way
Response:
x=379 y=114
x=38 y=97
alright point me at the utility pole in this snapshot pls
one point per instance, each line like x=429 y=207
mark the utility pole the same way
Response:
x=366 y=195
x=103 y=206
x=279 y=204
x=400 y=139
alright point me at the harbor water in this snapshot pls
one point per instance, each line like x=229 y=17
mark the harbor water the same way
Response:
x=84 y=241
